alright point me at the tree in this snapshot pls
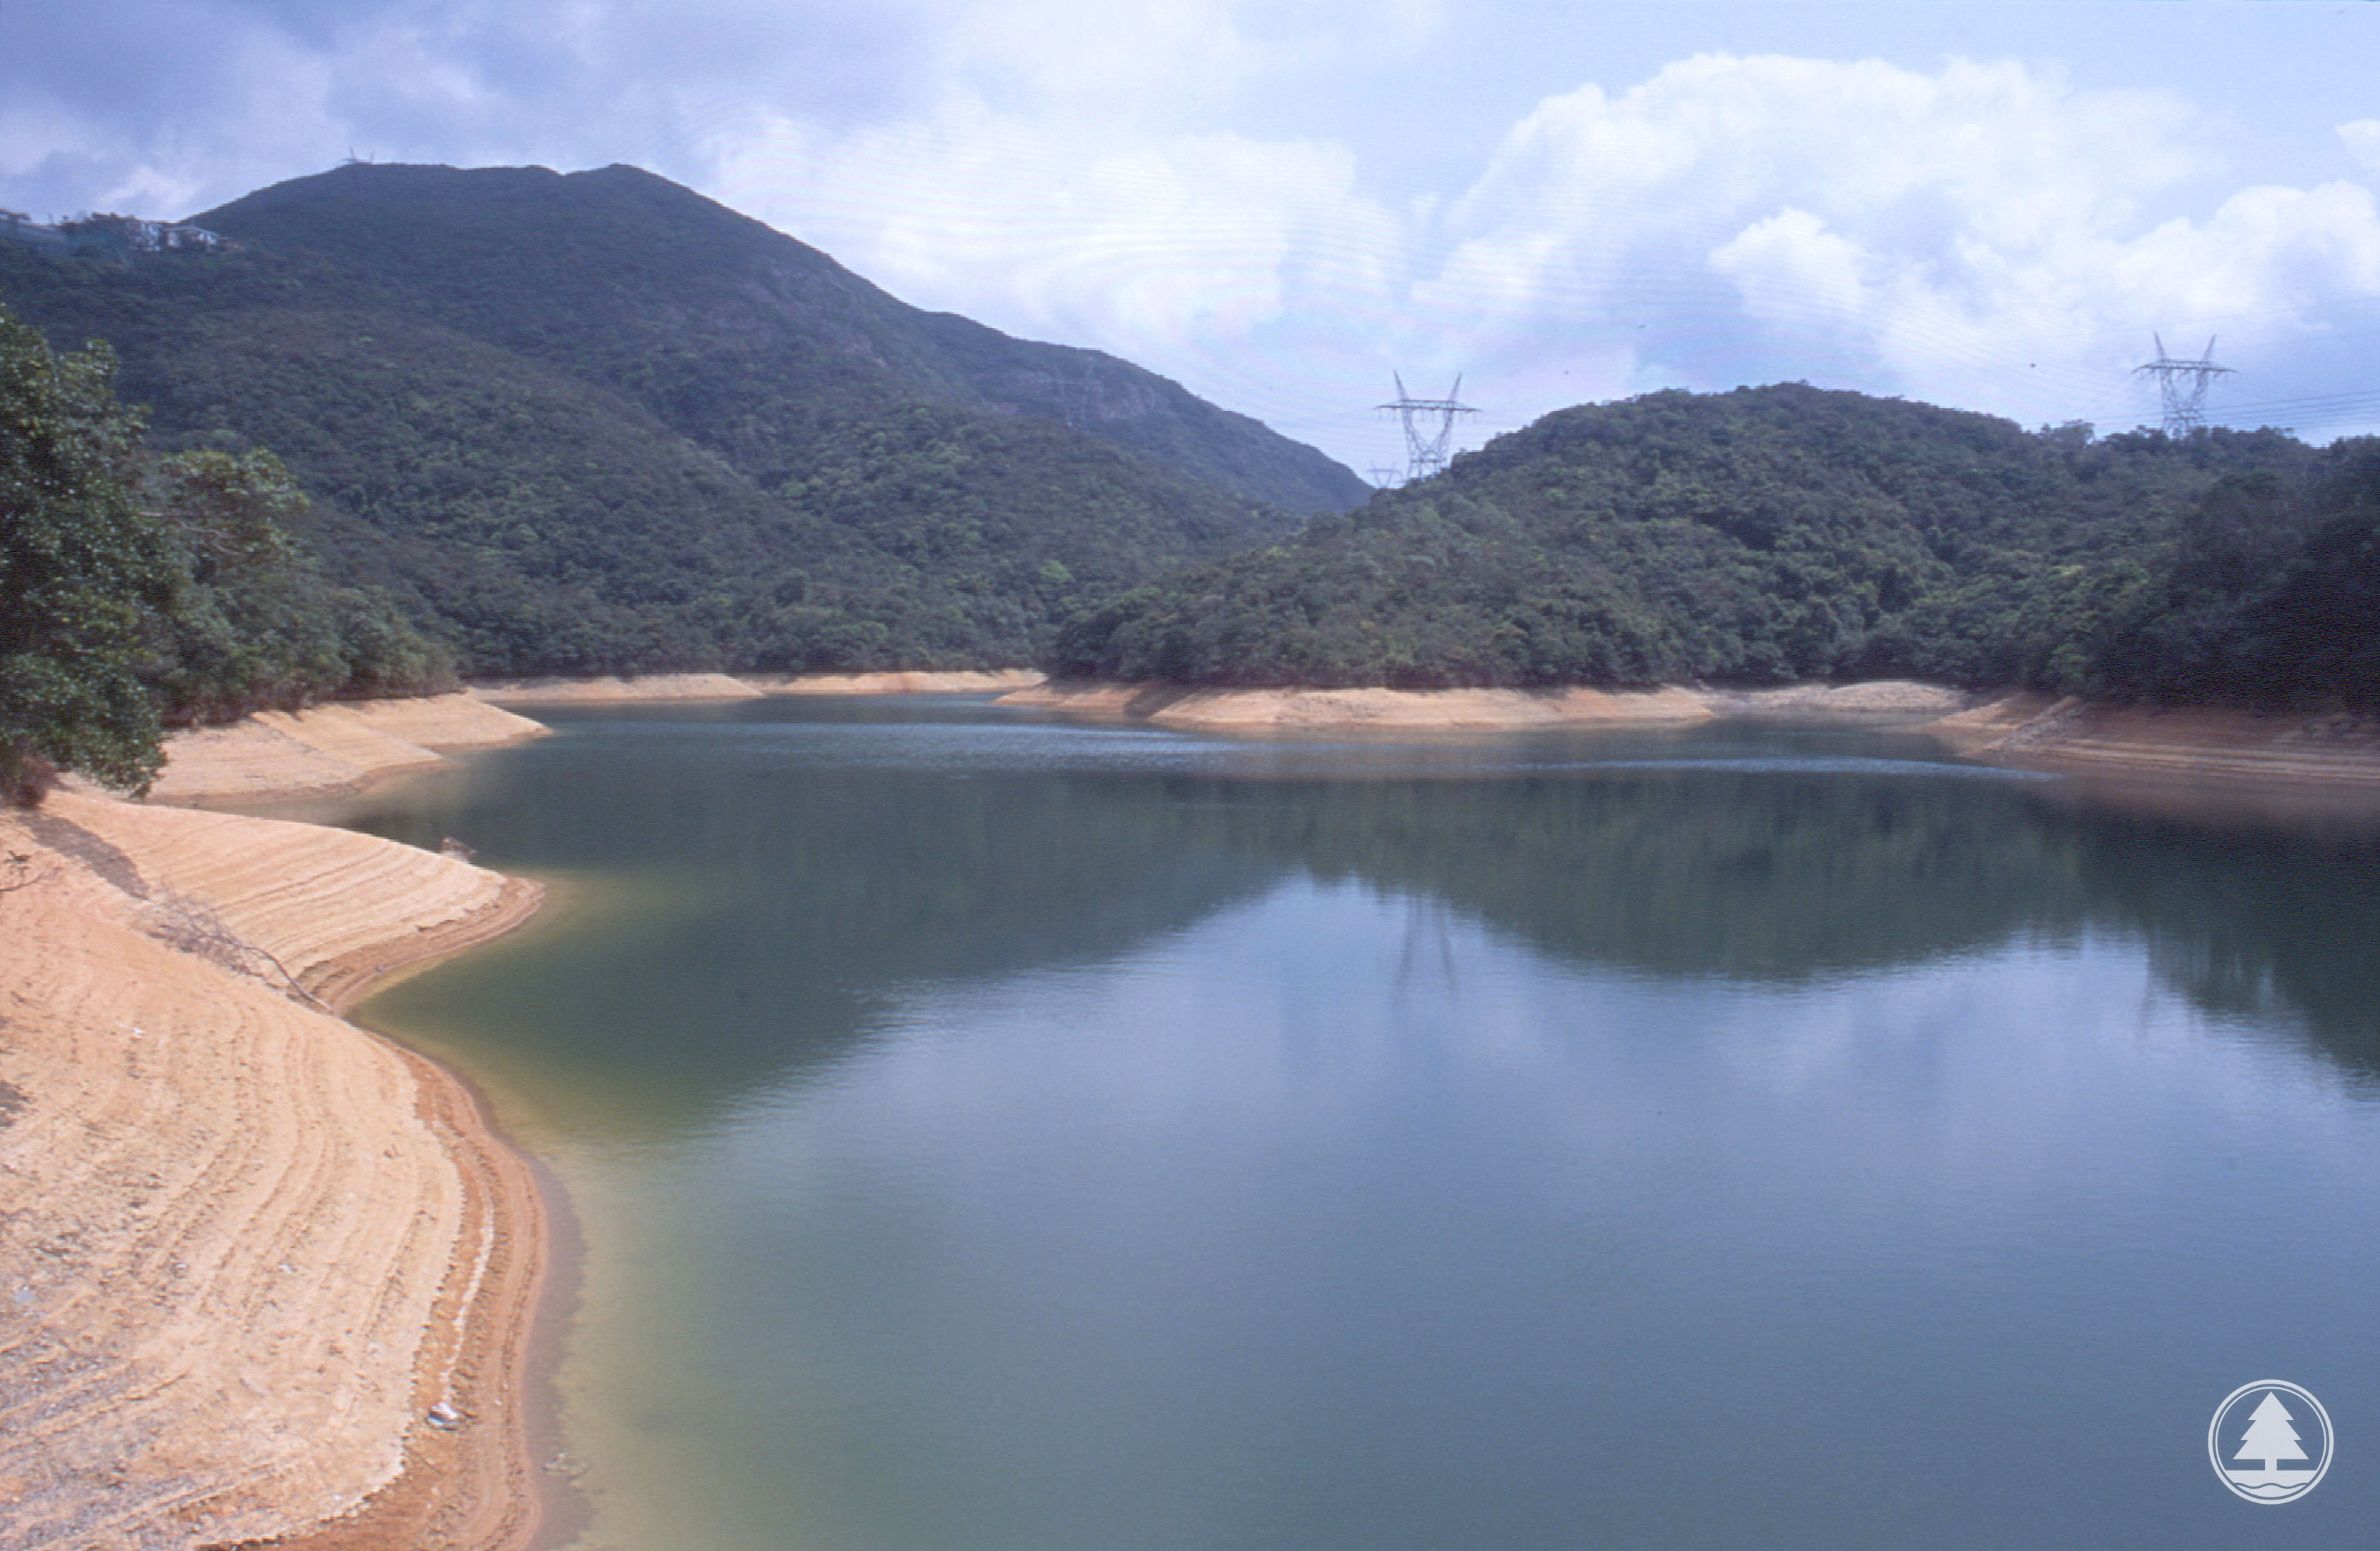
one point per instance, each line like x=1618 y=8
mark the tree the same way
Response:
x=81 y=571
x=254 y=623
x=2269 y=1436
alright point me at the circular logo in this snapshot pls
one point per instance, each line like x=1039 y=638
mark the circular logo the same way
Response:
x=2269 y=1442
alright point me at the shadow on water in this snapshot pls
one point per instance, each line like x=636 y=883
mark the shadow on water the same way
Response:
x=791 y=870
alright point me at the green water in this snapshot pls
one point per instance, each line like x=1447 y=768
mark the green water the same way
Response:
x=993 y=1135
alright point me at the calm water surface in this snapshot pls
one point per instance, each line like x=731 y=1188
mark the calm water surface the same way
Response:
x=1002 y=1136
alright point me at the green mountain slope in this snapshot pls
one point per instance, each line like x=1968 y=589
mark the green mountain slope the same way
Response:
x=626 y=275
x=598 y=423
x=139 y=592
x=1759 y=536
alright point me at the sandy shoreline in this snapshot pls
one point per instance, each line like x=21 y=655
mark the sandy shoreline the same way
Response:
x=2190 y=743
x=1313 y=710
x=2034 y=731
x=1287 y=710
x=248 y=1246
x=331 y=749
x=343 y=748
x=267 y=1278
x=476 y=1484
x=726 y=687
x=988 y=682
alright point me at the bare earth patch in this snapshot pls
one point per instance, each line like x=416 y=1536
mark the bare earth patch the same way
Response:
x=1878 y=696
x=247 y=1250
x=337 y=748
x=598 y=692
x=991 y=681
x=2192 y=742
x=1300 y=710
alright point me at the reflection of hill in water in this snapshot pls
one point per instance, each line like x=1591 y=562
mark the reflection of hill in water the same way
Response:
x=807 y=895
x=1789 y=877
x=2249 y=918
x=781 y=910
x=1766 y=876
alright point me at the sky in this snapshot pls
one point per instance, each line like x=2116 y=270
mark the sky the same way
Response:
x=1282 y=203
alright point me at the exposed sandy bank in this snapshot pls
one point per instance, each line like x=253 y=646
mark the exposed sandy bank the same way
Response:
x=649 y=686
x=1877 y=696
x=2196 y=742
x=1299 y=709
x=905 y=683
x=335 y=748
x=247 y=1246
x=721 y=686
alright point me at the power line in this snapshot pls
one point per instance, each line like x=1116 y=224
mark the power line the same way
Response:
x=2326 y=408
x=2182 y=385
x=2320 y=401
x=1427 y=444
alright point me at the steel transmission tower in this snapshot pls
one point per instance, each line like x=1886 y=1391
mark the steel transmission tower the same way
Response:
x=1429 y=427
x=2183 y=384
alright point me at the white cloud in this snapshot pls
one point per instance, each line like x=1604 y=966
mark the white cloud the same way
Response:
x=1185 y=251
x=1989 y=234
x=1866 y=223
x=2362 y=138
x=1073 y=174
x=1789 y=263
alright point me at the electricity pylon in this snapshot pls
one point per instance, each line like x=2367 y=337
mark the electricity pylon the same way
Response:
x=1425 y=445
x=2182 y=385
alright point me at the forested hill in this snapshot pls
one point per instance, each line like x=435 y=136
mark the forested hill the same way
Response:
x=1781 y=533
x=717 y=322
x=598 y=423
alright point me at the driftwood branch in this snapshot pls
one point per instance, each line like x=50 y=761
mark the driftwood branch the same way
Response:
x=23 y=870
x=182 y=922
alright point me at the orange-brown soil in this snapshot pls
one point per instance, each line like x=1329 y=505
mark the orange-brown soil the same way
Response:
x=905 y=683
x=253 y=1260
x=337 y=748
x=1302 y=710
x=582 y=691
x=2196 y=743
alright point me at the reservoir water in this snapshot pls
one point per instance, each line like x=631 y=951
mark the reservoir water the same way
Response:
x=998 y=1135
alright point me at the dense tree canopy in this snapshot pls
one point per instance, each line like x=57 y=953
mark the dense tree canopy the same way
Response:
x=82 y=569
x=139 y=592
x=1784 y=534
x=253 y=624
x=2266 y=592
x=597 y=422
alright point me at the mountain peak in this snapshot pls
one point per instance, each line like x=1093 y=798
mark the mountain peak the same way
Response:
x=620 y=263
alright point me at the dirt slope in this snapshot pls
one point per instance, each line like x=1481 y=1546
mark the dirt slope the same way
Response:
x=245 y=1247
